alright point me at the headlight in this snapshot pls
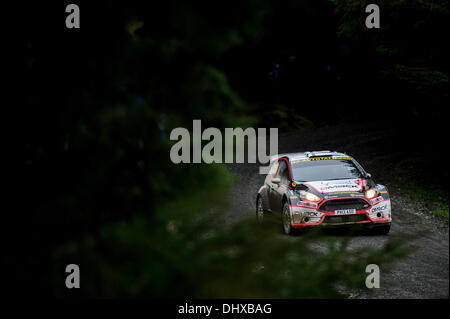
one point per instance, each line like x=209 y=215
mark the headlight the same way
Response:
x=371 y=193
x=310 y=196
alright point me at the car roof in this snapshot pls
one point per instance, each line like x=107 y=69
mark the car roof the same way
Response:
x=309 y=155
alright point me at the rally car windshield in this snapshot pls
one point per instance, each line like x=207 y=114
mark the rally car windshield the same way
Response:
x=319 y=170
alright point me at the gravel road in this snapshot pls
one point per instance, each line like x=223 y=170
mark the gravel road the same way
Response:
x=424 y=273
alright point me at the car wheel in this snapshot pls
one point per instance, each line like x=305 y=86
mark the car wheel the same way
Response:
x=259 y=209
x=382 y=230
x=286 y=218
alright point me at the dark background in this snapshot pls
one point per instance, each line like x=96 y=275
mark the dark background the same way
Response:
x=95 y=105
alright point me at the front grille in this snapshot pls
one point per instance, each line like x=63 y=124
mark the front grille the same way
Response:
x=344 y=219
x=344 y=203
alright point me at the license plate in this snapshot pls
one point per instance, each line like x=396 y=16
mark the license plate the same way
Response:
x=345 y=211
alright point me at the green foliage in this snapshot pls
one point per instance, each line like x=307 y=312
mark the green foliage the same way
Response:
x=117 y=147
x=183 y=253
x=287 y=119
x=436 y=200
x=423 y=188
x=423 y=81
x=406 y=26
x=407 y=55
x=139 y=225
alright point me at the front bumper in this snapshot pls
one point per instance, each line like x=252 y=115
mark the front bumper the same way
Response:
x=306 y=214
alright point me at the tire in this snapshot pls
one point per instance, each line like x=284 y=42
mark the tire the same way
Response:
x=260 y=209
x=286 y=220
x=382 y=230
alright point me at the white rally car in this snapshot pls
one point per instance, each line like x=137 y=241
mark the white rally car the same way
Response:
x=323 y=189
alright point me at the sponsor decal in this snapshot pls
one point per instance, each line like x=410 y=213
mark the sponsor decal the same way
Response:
x=335 y=193
x=307 y=204
x=322 y=158
x=312 y=214
x=376 y=200
x=379 y=208
x=338 y=186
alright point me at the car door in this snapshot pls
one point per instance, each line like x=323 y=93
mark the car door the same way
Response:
x=277 y=190
x=271 y=186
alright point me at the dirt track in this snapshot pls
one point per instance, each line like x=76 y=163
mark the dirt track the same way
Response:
x=425 y=272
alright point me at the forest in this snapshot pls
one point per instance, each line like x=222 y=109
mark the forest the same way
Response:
x=94 y=108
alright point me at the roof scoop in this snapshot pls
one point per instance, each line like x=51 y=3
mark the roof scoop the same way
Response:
x=318 y=153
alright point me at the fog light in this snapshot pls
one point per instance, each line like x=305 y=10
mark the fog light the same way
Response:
x=297 y=218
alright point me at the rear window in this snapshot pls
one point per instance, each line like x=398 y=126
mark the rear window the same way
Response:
x=317 y=170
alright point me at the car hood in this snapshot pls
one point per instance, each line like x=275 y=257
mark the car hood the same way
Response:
x=338 y=186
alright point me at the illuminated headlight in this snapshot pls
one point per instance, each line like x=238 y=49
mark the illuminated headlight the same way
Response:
x=310 y=197
x=371 y=193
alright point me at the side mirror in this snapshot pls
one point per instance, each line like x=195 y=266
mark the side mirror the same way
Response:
x=276 y=180
x=369 y=175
